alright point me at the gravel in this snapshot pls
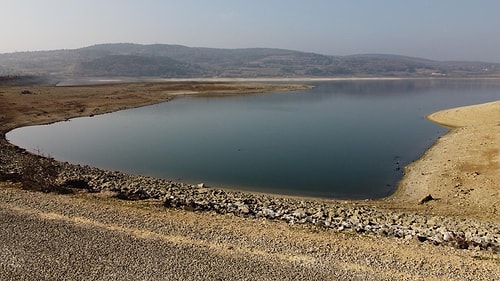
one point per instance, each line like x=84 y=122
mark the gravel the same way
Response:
x=61 y=237
x=438 y=230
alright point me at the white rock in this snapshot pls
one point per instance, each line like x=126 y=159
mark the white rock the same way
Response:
x=448 y=236
x=268 y=213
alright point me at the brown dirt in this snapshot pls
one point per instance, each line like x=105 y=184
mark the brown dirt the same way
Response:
x=50 y=104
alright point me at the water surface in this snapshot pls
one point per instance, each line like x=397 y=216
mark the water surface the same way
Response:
x=341 y=139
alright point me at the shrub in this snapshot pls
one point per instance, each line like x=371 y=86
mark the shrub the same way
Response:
x=40 y=174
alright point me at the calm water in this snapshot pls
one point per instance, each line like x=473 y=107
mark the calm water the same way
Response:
x=341 y=139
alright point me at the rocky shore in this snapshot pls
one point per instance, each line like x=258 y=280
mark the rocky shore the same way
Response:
x=460 y=233
x=329 y=214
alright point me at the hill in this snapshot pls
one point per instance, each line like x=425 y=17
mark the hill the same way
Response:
x=177 y=61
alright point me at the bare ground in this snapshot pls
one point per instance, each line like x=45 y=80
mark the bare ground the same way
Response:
x=91 y=237
x=461 y=171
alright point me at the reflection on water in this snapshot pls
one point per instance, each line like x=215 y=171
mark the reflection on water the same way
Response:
x=341 y=139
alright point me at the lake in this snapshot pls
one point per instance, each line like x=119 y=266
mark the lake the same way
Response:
x=343 y=139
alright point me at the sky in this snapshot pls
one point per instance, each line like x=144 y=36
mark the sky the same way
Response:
x=433 y=29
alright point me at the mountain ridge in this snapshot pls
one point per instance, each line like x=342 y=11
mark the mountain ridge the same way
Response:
x=178 y=61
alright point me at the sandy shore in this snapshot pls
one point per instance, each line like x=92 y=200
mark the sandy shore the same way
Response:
x=461 y=170
x=95 y=235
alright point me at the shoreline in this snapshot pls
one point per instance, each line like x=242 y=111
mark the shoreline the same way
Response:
x=405 y=198
x=236 y=88
x=253 y=88
x=121 y=80
x=447 y=117
x=461 y=170
x=114 y=215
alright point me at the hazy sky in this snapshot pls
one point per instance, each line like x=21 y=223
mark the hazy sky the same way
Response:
x=435 y=29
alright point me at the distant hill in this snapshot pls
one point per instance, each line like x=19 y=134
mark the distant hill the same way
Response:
x=160 y=60
x=134 y=65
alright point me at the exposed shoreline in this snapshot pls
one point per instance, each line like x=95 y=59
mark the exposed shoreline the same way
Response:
x=461 y=170
x=440 y=222
x=165 y=91
x=101 y=81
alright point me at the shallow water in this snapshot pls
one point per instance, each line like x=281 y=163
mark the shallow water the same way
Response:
x=341 y=139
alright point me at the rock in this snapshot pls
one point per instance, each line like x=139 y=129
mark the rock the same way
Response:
x=268 y=213
x=448 y=236
x=26 y=92
x=76 y=183
x=244 y=209
x=299 y=213
x=426 y=199
x=421 y=238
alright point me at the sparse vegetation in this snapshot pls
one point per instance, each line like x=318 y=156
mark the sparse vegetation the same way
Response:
x=134 y=65
x=180 y=61
x=40 y=174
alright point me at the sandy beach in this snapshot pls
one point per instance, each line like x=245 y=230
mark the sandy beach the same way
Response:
x=461 y=170
x=96 y=236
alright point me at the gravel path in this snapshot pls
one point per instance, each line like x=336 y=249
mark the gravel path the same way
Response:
x=93 y=237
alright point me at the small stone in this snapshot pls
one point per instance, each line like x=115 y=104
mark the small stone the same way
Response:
x=299 y=213
x=426 y=199
x=421 y=238
x=243 y=209
x=448 y=236
x=269 y=213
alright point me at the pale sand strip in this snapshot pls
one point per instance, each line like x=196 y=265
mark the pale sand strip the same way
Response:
x=474 y=115
x=461 y=170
